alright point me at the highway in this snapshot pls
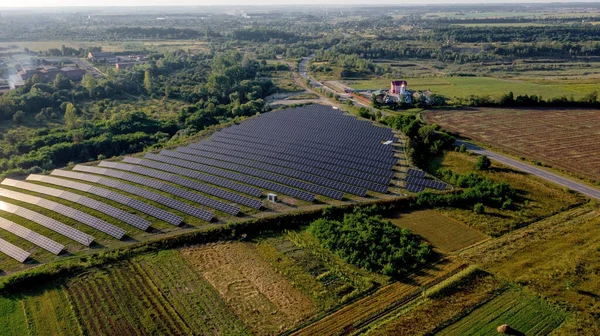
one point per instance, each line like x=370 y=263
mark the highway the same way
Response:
x=565 y=182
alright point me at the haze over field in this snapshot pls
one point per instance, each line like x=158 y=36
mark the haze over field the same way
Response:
x=54 y=3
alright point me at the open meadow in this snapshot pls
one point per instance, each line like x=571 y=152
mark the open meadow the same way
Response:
x=443 y=232
x=564 y=138
x=536 y=199
x=451 y=87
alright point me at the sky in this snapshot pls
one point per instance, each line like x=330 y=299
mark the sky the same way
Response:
x=61 y=3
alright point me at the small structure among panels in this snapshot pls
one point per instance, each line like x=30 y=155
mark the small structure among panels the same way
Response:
x=12 y=251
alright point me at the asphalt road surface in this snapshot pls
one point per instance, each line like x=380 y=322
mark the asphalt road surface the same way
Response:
x=571 y=184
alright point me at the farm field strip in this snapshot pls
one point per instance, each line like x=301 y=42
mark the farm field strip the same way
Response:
x=364 y=311
x=529 y=316
x=266 y=301
x=573 y=146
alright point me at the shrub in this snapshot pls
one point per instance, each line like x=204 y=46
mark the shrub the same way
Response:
x=483 y=163
x=479 y=208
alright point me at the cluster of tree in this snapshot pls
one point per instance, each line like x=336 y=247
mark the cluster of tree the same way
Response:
x=554 y=33
x=372 y=243
x=265 y=35
x=424 y=141
x=509 y=99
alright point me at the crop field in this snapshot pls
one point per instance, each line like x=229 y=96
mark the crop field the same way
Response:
x=266 y=301
x=567 y=139
x=317 y=272
x=437 y=310
x=536 y=199
x=526 y=315
x=556 y=257
x=156 y=294
x=392 y=296
x=495 y=87
x=442 y=232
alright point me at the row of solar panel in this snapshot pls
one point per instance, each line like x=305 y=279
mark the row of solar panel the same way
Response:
x=326 y=119
x=318 y=135
x=255 y=204
x=415 y=173
x=49 y=223
x=301 y=149
x=105 y=193
x=319 y=181
x=31 y=236
x=319 y=124
x=334 y=146
x=168 y=188
x=414 y=188
x=334 y=139
x=426 y=183
x=233 y=176
x=147 y=194
x=266 y=157
x=368 y=165
x=66 y=211
x=119 y=214
x=316 y=160
x=258 y=173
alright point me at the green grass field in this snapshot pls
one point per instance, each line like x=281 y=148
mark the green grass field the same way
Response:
x=495 y=87
x=526 y=315
x=442 y=232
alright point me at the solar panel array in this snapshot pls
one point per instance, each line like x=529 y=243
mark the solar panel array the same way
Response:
x=309 y=187
x=131 y=189
x=119 y=214
x=185 y=182
x=108 y=194
x=414 y=188
x=165 y=187
x=326 y=183
x=416 y=173
x=304 y=151
x=426 y=183
x=31 y=236
x=196 y=175
x=12 y=251
x=48 y=222
x=272 y=160
x=66 y=211
x=234 y=176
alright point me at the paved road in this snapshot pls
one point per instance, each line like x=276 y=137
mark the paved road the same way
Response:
x=565 y=182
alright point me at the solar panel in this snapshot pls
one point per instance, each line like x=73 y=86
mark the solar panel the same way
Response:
x=329 y=171
x=12 y=251
x=414 y=188
x=274 y=187
x=31 y=236
x=258 y=173
x=256 y=204
x=168 y=188
x=119 y=214
x=416 y=173
x=48 y=222
x=360 y=163
x=108 y=194
x=277 y=170
x=196 y=175
x=66 y=211
x=131 y=189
